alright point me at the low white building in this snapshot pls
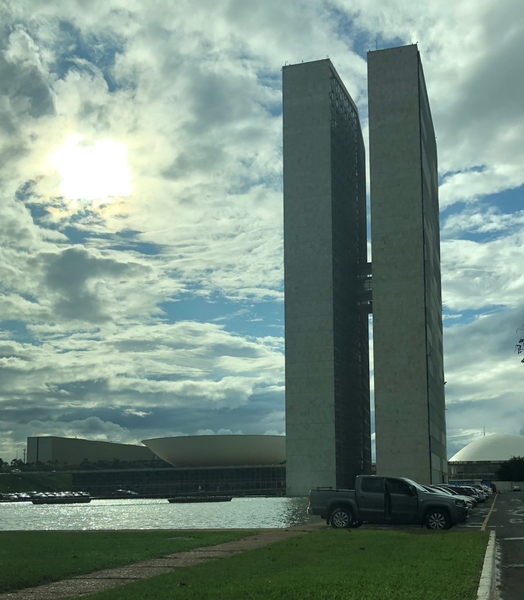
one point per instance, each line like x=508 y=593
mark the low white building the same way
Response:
x=72 y=451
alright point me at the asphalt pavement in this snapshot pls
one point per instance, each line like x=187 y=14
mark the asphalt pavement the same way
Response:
x=506 y=518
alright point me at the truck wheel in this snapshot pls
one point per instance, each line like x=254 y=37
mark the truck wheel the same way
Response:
x=438 y=519
x=341 y=518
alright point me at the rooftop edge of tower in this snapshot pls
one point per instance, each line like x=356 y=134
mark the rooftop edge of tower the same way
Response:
x=333 y=70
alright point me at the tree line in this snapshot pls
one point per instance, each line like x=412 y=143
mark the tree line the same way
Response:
x=84 y=465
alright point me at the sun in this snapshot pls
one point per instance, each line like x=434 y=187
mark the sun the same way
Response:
x=94 y=171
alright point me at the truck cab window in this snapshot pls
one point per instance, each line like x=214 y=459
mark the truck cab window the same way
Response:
x=372 y=484
x=396 y=486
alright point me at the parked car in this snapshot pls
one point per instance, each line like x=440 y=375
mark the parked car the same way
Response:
x=386 y=500
x=516 y=488
x=436 y=490
x=458 y=492
x=469 y=502
x=480 y=493
x=487 y=489
x=124 y=493
x=469 y=491
x=480 y=489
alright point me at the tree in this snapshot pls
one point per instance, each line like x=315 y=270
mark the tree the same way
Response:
x=512 y=470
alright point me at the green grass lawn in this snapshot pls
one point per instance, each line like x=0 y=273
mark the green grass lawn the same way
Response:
x=329 y=564
x=30 y=558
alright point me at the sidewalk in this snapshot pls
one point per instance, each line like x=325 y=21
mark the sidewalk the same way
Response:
x=100 y=581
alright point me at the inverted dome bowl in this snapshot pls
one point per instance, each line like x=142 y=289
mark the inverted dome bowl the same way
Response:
x=219 y=450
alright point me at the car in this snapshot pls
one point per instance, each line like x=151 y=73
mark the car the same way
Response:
x=480 y=489
x=516 y=488
x=470 y=502
x=386 y=501
x=465 y=500
x=125 y=493
x=469 y=490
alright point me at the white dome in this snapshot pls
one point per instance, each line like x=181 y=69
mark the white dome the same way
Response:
x=219 y=450
x=496 y=447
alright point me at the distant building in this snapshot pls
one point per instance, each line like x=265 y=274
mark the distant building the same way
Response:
x=328 y=438
x=235 y=465
x=482 y=458
x=253 y=480
x=72 y=451
x=407 y=305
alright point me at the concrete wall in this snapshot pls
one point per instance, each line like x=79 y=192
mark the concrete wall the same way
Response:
x=507 y=486
x=324 y=435
x=73 y=451
x=407 y=319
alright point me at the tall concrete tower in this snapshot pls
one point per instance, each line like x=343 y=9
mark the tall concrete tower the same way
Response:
x=407 y=305
x=326 y=323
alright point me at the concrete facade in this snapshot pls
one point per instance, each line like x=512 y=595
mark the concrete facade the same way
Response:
x=73 y=451
x=325 y=251
x=407 y=305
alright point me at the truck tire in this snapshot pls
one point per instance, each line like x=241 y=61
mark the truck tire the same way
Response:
x=341 y=517
x=437 y=519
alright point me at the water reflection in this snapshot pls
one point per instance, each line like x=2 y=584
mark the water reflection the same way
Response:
x=240 y=513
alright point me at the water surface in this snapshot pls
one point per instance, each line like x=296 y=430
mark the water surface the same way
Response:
x=240 y=513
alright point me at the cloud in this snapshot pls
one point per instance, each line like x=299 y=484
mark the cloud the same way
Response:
x=219 y=432
x=94 y=294
x=152 y=378
x=480 y=275
x=137 y=413
x=483 y=375
x=22 y=77
x=92 y=428
x=81 y=283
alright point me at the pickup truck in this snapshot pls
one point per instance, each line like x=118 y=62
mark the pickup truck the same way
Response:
x=385 y=500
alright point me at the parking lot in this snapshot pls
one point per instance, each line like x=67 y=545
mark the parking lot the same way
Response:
x=507 y=520
x=503 y=513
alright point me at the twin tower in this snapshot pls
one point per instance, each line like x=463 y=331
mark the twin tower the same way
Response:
x=331 y=288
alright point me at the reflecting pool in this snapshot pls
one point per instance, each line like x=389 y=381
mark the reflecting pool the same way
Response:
x=240 y=513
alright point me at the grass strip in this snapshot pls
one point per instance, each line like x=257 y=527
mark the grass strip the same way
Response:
x=342 y=564
x=31 y=558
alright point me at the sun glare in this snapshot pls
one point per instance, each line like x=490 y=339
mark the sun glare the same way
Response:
x=94 y=171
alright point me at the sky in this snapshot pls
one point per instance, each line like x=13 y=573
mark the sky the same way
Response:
x=141 y=249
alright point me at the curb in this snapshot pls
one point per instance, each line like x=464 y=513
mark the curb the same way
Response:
x=488 y=584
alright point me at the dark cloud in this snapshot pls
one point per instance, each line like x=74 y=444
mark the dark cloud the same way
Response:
x=101 y=354
x=80 y=51
x=263 y=413
x=198 y=158
x=22 y=82
x=219 y=98
x=492 y=91
x=74 y=274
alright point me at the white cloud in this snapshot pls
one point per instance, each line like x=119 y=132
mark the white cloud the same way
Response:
x=477 y=275
x=93 y=428
x=93 y=294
